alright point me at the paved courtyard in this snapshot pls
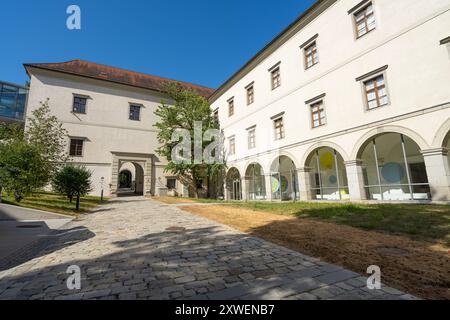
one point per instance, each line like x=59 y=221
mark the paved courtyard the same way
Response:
x=135 y=248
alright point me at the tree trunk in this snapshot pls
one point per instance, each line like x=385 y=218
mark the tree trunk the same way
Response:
x=208 y=185
x=78 y=202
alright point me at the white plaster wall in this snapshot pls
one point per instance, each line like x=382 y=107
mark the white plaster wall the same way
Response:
x=106 y=125
x=418 y=76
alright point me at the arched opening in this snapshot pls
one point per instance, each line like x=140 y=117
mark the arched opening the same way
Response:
x=328 y=175
x=125 y=179
x=131 y=179
x=284 y=182
x=394 y=168
x=447 y=146
x=255 y=182
x=233 y=183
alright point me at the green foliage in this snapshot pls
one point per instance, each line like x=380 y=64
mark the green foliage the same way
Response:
x=72 y=181
x=22 y=169
x=10 y=131
x=185 y=108
x=28 y=159
x=45 y=132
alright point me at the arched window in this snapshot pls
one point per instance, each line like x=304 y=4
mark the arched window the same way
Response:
x=255 y=182
x=394 y=169
x=284 y=182
x=233 y=183
x=329 y=177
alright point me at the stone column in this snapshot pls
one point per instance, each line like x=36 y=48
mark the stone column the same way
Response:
x=438 y=173
x=114 y=176
x=226 y=194
x=148 y=172
x=304 y=184
x=244 y=182
x=355 y=179
x=268 y=179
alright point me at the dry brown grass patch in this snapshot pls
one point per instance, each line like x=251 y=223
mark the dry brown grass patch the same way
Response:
x=417 y=267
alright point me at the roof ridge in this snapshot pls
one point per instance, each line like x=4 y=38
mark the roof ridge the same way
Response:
x=116 y=74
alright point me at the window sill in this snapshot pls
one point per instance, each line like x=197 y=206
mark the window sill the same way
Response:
x=310 y=67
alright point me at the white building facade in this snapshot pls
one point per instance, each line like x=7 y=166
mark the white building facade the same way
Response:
x=350 y=102
x=109 y=115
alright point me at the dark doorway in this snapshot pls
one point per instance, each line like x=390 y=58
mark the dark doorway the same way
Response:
x=125 y=180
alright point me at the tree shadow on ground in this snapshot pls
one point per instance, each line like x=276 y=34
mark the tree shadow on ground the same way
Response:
x=164 y=265
x=46 y=244
x=417 y=267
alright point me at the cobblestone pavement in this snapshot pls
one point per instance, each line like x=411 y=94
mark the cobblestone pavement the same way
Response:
x=140 y=249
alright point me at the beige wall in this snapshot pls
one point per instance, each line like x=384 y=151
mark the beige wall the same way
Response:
x=106 y=125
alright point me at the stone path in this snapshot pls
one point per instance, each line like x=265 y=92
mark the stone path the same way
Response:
x=140 y=249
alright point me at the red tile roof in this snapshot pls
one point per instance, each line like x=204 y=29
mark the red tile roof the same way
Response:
x=117 y=75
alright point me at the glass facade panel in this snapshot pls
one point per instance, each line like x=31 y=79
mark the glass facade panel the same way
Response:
x=233 y=185
x=329 y=176
x=284 y=182
x=12 y=101
x=255 y=182
x=394 y=169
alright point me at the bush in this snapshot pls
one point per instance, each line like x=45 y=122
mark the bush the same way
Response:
x=22 y=169
x=73 y=181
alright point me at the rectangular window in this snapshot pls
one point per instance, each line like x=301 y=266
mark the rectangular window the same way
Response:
x=318 y=114
x=251 y=138
x=311 y=57
x=79 y=104
x=171 y=183
x=232 y=141
x=76 y=147
x=375 y=92
x=216 y=116
x=135 y=113
x=279 y=129
x=364 y=20
x=276 y=78
x=250 y=95
x=230 y=107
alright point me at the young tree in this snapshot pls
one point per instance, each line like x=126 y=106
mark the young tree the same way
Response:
x=73 y=181
x=46 y=132
x=7 y=133
x=22 y=169
x=30 y=158
x=185 y=108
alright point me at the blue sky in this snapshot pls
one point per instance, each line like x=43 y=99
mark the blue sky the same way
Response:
x=199 y=41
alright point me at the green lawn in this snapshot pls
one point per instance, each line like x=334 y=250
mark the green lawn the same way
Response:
x=55 y=203
x=417 y=221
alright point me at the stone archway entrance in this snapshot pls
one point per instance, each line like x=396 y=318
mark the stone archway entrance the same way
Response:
x=142 y=181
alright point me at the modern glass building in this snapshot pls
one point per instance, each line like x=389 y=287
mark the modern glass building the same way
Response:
x=12 y=102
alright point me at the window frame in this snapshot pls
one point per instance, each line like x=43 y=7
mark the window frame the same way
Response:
x=231 y=107
x=82 y=147
x=167 y=183
x=362 y=6
x=371 y=76
x=321 y=111
x=80 y=96
x=232 y=151
x=216 y=116
x=248 y=89
x=282 y=132
x=315 y=60
x=275 y=80
x=135 y=105
x=251 y=138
